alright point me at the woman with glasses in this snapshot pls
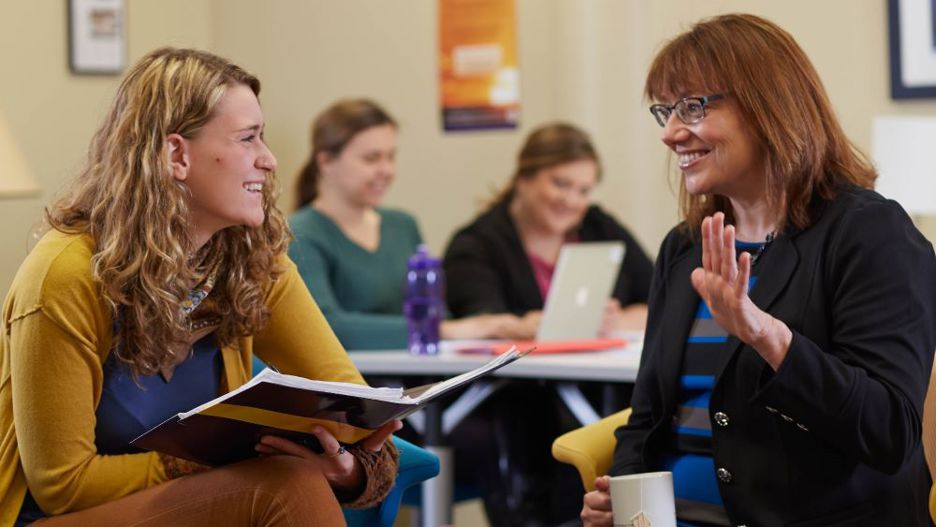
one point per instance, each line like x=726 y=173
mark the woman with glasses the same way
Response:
x=793 y=313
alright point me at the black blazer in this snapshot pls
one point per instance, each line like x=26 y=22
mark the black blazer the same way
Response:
x=834 y=436
x=487 y=269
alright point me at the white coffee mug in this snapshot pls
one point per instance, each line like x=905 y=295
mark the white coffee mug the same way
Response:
x=643 y=500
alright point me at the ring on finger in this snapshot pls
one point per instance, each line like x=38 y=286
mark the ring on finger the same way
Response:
x=341 y=450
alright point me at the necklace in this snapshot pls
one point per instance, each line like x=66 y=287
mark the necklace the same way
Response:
x=760 y=250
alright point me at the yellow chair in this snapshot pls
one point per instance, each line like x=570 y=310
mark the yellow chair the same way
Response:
x=590 y=448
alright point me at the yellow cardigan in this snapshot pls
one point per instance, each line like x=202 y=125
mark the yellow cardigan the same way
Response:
x=56 y=335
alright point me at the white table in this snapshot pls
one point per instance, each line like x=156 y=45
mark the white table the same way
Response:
x=566 y=370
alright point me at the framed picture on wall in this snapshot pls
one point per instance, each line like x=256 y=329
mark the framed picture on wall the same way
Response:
x=912 y=35
x=96 y=36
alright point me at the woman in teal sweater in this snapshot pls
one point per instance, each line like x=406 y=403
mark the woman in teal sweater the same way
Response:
x=351 y=252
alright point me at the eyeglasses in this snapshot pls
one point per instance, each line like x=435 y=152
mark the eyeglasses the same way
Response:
x=689 y=110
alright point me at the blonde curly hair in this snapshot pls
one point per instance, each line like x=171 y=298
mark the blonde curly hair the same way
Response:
x=126 y=199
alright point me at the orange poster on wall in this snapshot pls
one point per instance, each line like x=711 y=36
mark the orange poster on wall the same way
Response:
x=478 y=75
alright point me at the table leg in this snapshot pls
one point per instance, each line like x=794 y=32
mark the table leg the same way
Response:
x=437 y=423
x=437 y=492
x=576 y=402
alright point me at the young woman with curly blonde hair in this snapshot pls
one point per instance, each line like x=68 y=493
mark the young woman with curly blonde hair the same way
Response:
x=163 y=272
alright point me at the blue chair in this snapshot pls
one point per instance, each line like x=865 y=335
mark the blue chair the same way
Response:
x=416 y=466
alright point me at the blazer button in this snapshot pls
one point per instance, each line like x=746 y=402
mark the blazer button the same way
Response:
x=721 y=418
x=723 y=475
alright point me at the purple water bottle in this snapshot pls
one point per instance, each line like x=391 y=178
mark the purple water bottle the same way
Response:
x=424 y=303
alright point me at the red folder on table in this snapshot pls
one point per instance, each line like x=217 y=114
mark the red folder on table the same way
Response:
x=546 y=346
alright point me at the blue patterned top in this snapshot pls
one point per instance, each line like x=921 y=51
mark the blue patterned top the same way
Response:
x=695 y=486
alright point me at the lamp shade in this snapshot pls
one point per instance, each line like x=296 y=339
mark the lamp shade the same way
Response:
x=16 y=179
x=902 y=148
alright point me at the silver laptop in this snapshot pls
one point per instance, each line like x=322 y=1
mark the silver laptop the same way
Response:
x=581 y=286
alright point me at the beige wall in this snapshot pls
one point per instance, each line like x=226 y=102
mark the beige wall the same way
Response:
x=53 y=113
x=312 y=53
x=580 y=60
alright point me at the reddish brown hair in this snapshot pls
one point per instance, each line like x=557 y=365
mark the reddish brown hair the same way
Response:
x=779 y=95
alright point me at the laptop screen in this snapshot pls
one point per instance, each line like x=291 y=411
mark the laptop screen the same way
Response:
x=581 y=286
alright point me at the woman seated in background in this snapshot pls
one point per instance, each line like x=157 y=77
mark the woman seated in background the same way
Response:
x=164 y=269
x=351 y=252
x=793 y=314
x=504 y=260
x=503 y=263
x=353 y=255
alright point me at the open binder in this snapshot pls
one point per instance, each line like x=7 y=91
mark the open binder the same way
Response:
x=226 y=429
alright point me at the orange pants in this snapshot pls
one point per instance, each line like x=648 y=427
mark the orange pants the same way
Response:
x=276 y=491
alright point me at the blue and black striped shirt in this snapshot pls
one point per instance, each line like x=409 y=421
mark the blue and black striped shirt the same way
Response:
x=698 y=502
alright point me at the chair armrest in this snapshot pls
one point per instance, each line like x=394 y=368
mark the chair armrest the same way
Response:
x=590 y=448
x=416 y=465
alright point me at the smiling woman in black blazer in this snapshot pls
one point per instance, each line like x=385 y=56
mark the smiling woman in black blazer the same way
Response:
x=783 y=386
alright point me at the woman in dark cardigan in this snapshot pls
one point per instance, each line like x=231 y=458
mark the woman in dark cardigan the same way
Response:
x=503 y=261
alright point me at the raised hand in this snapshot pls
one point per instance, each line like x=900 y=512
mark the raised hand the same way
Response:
x=722 y=282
